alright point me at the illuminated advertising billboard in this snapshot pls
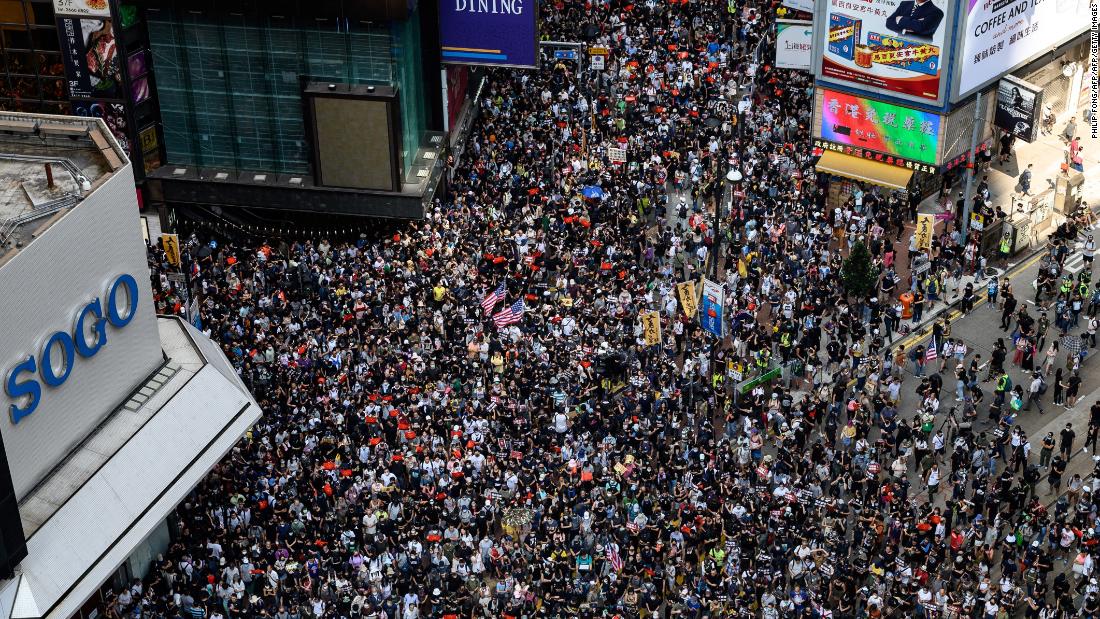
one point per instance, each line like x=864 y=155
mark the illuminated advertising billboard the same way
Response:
x=489 y=32
x=891 y=46
x=878 y=126
x=1001 y=35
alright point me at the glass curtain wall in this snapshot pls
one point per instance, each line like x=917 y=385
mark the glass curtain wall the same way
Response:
x=230 y=85
x=407 y=50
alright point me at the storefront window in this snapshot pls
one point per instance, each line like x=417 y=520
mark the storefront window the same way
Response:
x=230 y=86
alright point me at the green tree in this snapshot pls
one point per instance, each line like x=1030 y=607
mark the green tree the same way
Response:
x=858 y=274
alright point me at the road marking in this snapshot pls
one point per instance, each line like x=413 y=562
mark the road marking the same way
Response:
x=979 y=298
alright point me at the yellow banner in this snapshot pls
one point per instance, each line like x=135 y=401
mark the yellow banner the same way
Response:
x=925 y=226
x=171 y=244
x=651 y=328
x=688 y=299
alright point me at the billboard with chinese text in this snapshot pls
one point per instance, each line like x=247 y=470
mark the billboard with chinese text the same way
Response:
x=90 y=53
x=895 y=47
x=879 y=126
x=1000 y=35
x=793 y=44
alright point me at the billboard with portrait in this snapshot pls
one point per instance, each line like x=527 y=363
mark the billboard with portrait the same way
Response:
x=879 y=126
x=891 y=46
x=489 y=32
x=1000 y=35
x=1018 y=106
x=793 y=44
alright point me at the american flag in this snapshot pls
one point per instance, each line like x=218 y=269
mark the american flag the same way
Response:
x=613 y=557
x=490 y=301
x=513 y=314
x=931 y=352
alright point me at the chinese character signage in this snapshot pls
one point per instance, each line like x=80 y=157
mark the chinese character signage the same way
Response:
x=1018 y=105
x=925 y=230
x=651 y=328
x=793 y=44
x=881 y=127
x=1001 y=35
x=90 y=53
x=82 y=8
x=893 y=46
x=489 y=32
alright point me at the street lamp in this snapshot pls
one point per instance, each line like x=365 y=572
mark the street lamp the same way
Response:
x=732 y=178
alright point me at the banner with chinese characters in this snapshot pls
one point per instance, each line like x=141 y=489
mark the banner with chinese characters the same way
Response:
x=651 y=328
x=686 y=292
x=926 y=229
x=887 y=128
x=891 y=46
x=870 y=155
x=793 y=44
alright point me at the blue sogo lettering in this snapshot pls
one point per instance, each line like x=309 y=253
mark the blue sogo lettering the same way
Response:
x=29 y=388
x=59 y=354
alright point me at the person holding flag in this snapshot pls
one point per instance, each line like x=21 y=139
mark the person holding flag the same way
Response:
x=511 y=315
x=490 y=301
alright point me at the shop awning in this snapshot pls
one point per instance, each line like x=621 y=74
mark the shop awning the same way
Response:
x=864 y=170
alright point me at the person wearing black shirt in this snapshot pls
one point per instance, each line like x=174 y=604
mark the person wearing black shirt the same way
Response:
x=1065 y=443
x=1007 y=308
x=1057 y=468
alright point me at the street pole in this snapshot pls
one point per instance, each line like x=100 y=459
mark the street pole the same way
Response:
x=719 y=200
x=968 y=199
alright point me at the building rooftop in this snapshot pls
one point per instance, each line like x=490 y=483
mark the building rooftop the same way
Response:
x=120 y=483
x=80 y=152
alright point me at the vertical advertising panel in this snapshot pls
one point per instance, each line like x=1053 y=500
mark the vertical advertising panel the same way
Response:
x=1018 y=105
x=489 y=32
x=90 y=53
x=793 y=44
x=882 y=127
x=891 y=46
x=1000 y=35
x=112 y=113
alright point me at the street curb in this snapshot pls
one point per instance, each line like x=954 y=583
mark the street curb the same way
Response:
x=925 y=328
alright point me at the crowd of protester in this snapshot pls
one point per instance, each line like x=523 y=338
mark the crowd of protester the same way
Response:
x=463 y=417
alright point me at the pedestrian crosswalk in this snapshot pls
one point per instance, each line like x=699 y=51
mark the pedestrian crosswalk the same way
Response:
x=1074 y=265
x=1076 y=261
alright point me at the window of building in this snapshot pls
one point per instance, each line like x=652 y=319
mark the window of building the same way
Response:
x=31 y=72
x=230 y=86
x=411 y=88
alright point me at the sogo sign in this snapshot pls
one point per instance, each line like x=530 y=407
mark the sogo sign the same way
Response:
x=59 y=354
